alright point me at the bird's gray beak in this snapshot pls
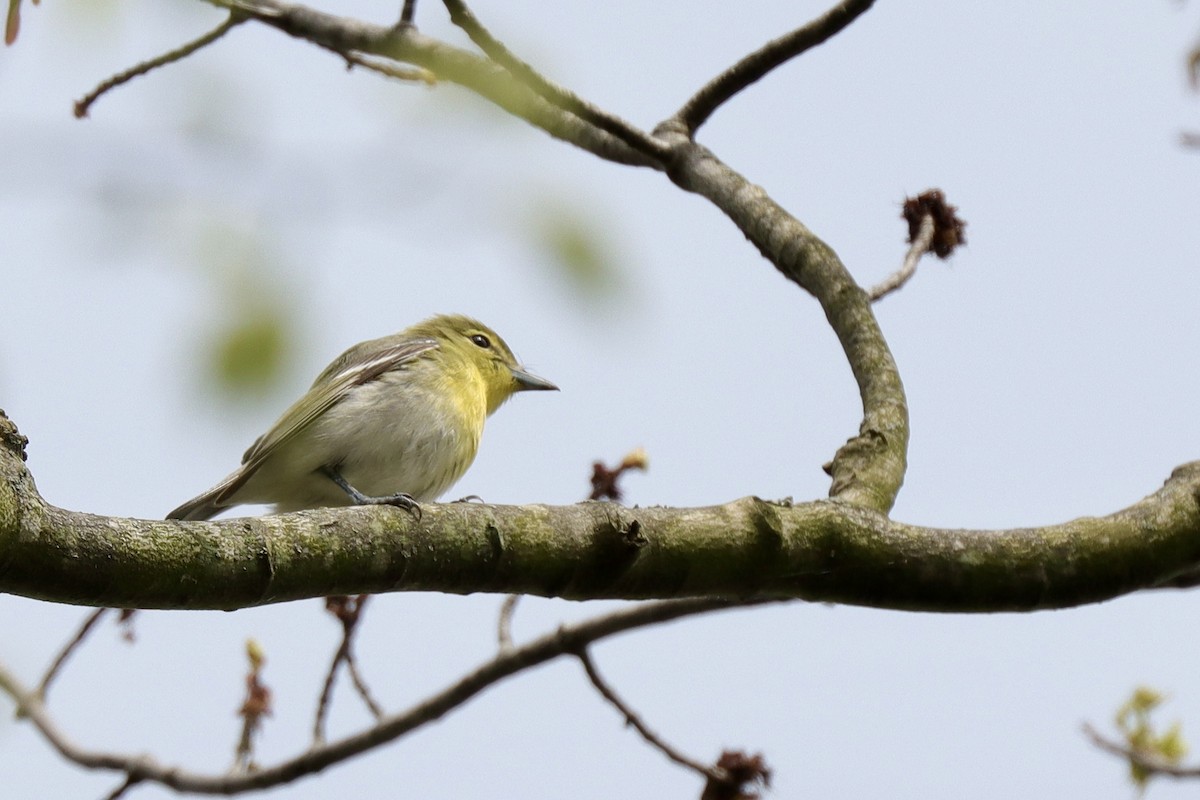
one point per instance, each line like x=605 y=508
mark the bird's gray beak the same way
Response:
x=527 y=381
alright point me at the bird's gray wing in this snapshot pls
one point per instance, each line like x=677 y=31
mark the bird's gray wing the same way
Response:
x=353 y=368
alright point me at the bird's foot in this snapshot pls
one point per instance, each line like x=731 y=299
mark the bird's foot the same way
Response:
x=402 y=500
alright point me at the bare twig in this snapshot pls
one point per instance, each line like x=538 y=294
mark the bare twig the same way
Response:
x=408 y=12
x=68 y=649
x=1147 y=762
x=569 y=639
x=696 y=111
x=504 y=624
x=83 y=105
x=919 y=247
x=318 y=732
x=407 y=74
x=632 y=718
x=361 y=686
x=125 y=785
x=551 y=92
x=934 y=226
x=348 y=611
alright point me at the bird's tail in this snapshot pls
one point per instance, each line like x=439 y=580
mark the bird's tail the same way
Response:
x=198 y=508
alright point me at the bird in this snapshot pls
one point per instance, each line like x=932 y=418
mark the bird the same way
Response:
x=395 y=420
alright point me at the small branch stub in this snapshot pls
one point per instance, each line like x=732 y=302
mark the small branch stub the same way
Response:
x=12 y=439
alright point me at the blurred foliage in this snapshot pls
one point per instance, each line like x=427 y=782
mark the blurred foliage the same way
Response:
x=580 y=250
x=248 y=353
x=249 y=343
x=12 y=21
x=1134 y=721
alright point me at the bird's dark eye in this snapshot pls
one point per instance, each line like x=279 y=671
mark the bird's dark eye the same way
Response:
x=481 y=340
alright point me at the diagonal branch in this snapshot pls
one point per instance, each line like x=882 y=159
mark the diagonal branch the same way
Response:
x=634 y=719
x=567 y=640
x=696 y=111
x=408 y=12
x=403 y=43
x=401 y=73
x=69 y=648
x=125 y=785
x=462 y=16
x=83 y=105
x=869 y=469
x=348 y=611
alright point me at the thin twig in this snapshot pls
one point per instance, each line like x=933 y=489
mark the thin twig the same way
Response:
x=407 y=74
x=1144 y=760
x=130 y=781
x=504 y=624
x=920 y=246
x=696 y=111
x=68 y=649
x=348 y=611
x=361 y=685
x=632 y=718
x=83 y=105
x=408 y=12
x=557 y=95
x=570 y=639
x=318 y=731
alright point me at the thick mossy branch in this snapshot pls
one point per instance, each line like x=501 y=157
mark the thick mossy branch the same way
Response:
x=827 y=551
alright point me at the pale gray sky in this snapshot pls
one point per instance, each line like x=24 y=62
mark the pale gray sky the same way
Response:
x=1049 y=368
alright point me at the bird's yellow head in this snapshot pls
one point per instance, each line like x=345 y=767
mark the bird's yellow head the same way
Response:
x=474 y=357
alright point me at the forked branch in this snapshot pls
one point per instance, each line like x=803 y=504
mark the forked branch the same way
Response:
x=566 y=641
x=568 y=101
x=696 y=111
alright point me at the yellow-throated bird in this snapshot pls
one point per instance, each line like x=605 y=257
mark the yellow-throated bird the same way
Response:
x=394 y=420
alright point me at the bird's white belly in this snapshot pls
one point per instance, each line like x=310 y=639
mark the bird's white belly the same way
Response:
x=378 y=452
